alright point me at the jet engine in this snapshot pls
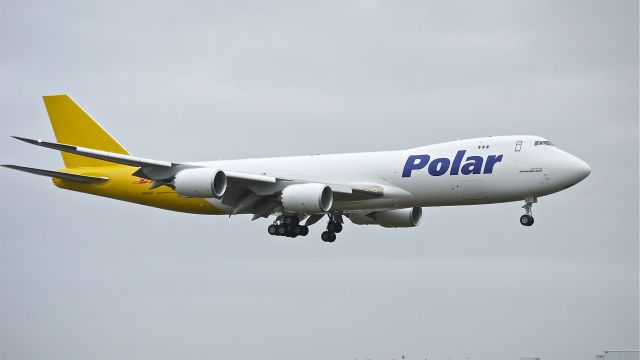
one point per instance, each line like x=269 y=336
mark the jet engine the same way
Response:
x=201 y=183
x=409 y=217
x=307 y=198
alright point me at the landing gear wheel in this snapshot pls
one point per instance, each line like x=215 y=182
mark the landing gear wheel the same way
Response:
x=526 y=220
x=328 y=236
x=289 y=226
x=334 y=227
x=296 y=230
x=290 y=220
x=301 y=230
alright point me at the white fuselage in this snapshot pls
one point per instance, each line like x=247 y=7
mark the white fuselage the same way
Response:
x=464 y=172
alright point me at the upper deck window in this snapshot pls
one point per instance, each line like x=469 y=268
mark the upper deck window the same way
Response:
x=545 y=142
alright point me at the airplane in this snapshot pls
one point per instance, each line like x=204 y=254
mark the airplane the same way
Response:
x=387 y=188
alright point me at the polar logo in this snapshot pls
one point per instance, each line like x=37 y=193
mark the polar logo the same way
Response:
x=440 y=166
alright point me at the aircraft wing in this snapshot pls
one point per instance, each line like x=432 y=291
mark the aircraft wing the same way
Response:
x=150 y=169
x=98 y=154
x=247 y=193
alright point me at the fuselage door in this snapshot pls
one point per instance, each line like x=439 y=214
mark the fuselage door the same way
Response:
x=518 y=145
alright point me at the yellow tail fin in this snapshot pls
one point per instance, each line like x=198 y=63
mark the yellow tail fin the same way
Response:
x=73 y=126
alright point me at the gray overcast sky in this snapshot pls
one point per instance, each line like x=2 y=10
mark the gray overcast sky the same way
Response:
x=84 y=277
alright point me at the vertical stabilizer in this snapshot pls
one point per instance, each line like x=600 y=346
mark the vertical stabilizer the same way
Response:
x=73 y=126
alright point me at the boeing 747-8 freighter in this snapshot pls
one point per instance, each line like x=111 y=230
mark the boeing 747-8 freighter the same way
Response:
x=387 y=188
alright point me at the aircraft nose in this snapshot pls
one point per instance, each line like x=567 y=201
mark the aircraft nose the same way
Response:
x=580 y=169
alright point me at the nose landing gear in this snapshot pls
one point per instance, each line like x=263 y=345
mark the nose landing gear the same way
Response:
x=288 y=226
x=527 y=218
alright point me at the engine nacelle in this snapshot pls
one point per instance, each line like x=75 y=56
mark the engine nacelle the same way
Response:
x=390 y=218
x=307 y=198
x=201 y=183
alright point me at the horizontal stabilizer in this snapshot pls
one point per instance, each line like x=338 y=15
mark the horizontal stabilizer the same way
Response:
x=98 y=154
x=60 y=175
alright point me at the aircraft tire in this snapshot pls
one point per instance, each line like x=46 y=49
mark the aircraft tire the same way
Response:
x=272 y=229
x=290 y=220
x=526 y=220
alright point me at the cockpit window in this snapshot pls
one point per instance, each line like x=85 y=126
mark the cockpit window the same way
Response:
x=545 y=142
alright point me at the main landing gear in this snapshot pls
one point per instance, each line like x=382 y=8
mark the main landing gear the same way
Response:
x=527 y=219
x=333 y=227
x=288 y=226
